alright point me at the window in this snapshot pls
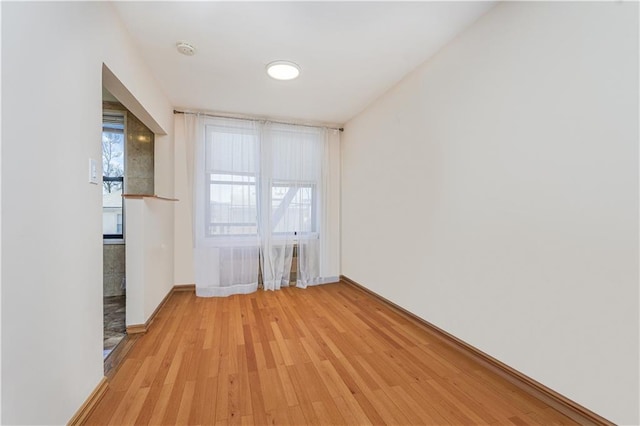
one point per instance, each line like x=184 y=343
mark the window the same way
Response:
x=266 y=178
x=260 y=189
x=295 y=158
x=231 y=190
x=112 y=174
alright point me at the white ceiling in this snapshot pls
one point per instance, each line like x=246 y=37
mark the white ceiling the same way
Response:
x=350 y=53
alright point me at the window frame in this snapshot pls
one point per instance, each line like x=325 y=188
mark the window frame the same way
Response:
x=116 y=237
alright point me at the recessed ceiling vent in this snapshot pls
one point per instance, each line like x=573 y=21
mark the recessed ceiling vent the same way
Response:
x=185 y=48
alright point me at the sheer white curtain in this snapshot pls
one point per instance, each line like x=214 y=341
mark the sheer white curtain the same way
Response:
x=260 y=189
x=226 y=252
x=317 y=251
x=291 y=171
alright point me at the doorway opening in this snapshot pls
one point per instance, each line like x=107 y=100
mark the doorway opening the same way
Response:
x=114 y=131
x=128 y=168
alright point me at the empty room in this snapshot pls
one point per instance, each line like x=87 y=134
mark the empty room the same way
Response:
x=319 y=213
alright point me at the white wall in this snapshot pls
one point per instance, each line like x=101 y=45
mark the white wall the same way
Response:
x=158 y=253
x=494 y=193
x=149 y=236
x=52 y=56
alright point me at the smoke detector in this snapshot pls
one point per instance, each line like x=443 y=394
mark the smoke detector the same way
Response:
x=185 y=48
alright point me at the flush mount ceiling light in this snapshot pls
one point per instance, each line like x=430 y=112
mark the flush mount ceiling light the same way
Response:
x=283 y=70
x=185 y=48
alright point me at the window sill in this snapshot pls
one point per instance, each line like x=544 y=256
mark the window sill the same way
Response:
x=142 y=196
x=113 y=241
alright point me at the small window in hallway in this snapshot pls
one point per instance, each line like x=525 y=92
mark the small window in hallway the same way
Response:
x=112 y=174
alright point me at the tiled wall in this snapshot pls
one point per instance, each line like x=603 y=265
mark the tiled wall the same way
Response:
x=138 y=169
x=138 y=179
x=113 y=269
x=139 y=158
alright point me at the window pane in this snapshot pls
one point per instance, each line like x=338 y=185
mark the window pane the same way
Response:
x=292 y=209
x=112 y=211
x=233 y=206
x=296 y=156
x=112 y=155
x=231 y=150
x=113 y=172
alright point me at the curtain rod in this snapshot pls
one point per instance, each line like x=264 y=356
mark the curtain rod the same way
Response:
x=175 y=111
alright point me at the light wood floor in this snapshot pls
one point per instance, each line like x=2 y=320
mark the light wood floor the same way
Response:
x=325 y=355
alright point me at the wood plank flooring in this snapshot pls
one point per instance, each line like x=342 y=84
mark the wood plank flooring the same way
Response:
x=330 y=354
